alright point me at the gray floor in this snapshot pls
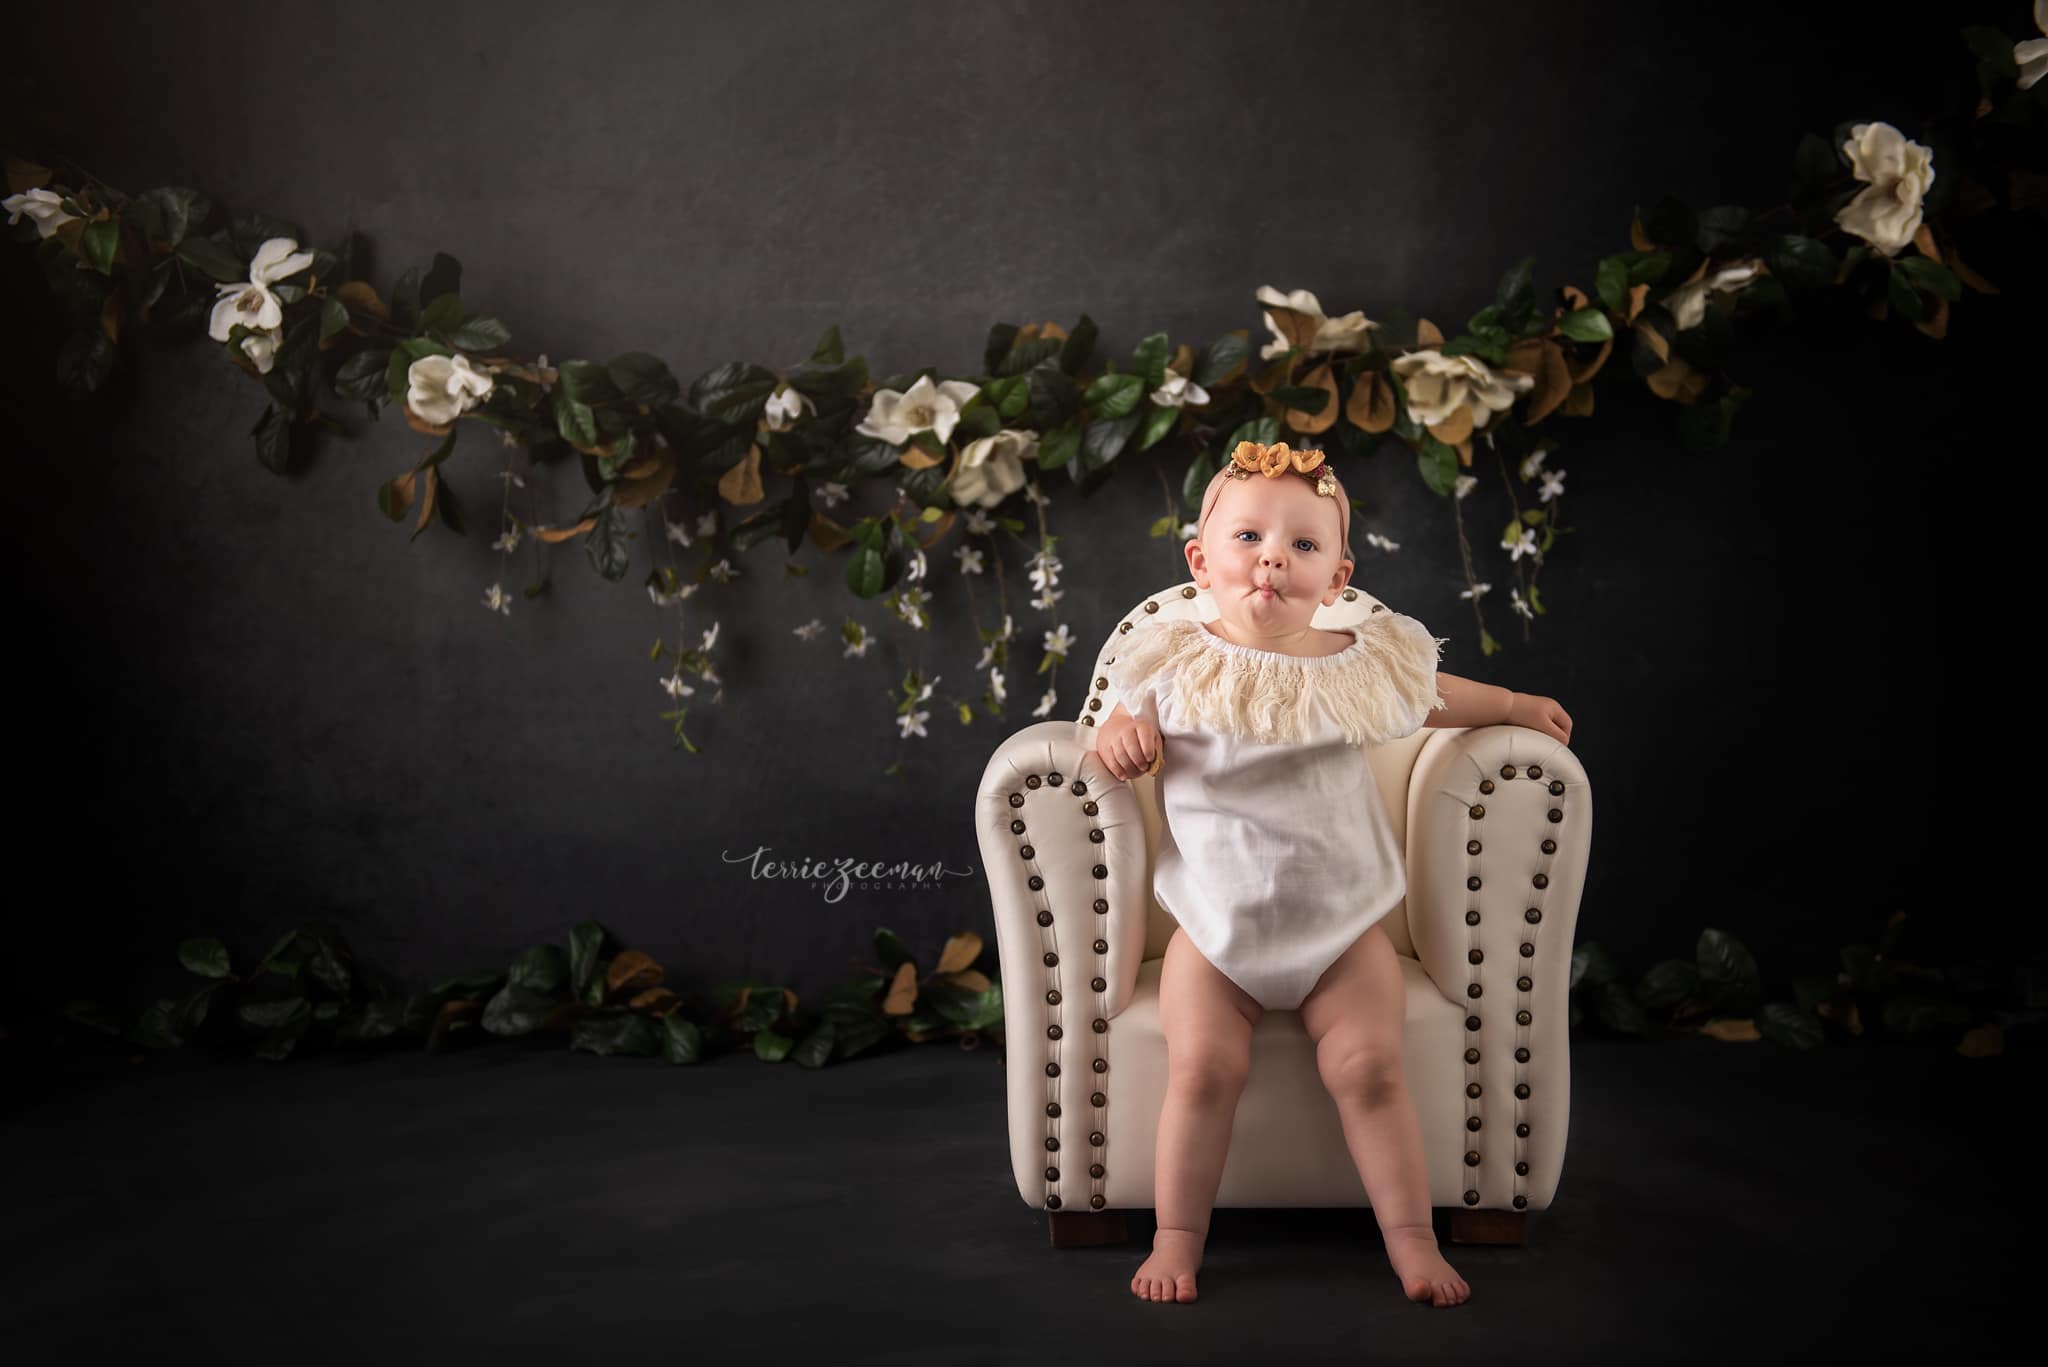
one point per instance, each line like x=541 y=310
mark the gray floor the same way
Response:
x=519 y=1204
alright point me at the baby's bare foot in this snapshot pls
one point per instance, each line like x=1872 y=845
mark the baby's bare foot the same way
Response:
x=1424 y=1274
x=1169 y=1274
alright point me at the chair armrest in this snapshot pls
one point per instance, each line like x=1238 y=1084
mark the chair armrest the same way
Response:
x=1055 y=846
x=1500 y=824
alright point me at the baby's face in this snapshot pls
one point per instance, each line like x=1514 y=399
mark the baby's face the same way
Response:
x=1269 y=553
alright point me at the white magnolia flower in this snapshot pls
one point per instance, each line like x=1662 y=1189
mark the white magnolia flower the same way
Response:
x=2032 y=55
x=509 y=542
x=675 y=685
x=1552 y=486
x=440 y=389
x=497 y=600
x=254 y=305
x=1332 y=334
x=979 y=522
x=1438 y=385
x=1178 y=391
x=1896 y=172
x=915 y=570
x=809 y=630
x=1464 y=485
x=1375 y=539
x=1480 y=592
x=833 y=494
x=46 y=207
x=1688 y=303
x=785 y=406
x=991 y=468
x=896 y=415
x=856 y=637
x=1059 y=640
x=913 y=723
x=707 y=525
x=1045 y=703
x=677 y=532
x=723 y=571
x=1515 y=601
x=710 y=637
x=1525 y=545
x=995 y=685
x=969 y=558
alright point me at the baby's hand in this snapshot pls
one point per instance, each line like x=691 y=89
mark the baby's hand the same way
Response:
x=1539 y=713
x=1129 y=746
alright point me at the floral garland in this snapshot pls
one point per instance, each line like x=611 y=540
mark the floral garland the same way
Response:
x=957 y=448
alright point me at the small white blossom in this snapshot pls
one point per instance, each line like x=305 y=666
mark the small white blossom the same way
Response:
x=497 y=600
x=913 y=723
x=508 y=542
x=1032 y=492
x=988 y=655
x=1045 y=570
x=785 y=406
x=707 y=525
x=709 y=673
x=46 y=207
x=910 y=605
x=833 y=494
x=1478 y=592
x=809 y=630
x=1009 y=627
x=677 y=532
x=1375 y=539
x=926 y=691
x=1533 y=462
x=856 y=637
x=969 y=558
x=1045 y=703
x=1059 y=640
x=1553 y=485
x=1515 y=601
x=513 y=478
x=1044 y=601
x=675 y=685
x=995 y=685
x=914 y=571
x=710 y=637
x=1178 y=391
x=505 y=438
x=979 y=522
x=1518 y=548
x=723 y=571
x=1465 y=485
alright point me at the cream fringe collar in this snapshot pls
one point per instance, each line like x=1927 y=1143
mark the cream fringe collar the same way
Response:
x=1378 y=688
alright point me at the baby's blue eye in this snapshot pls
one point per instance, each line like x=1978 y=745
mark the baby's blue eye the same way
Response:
x=1305 y=543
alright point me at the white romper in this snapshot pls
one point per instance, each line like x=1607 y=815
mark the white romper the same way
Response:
x=1275 y=851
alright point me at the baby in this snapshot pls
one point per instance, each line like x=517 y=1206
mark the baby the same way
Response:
x=1276 y=857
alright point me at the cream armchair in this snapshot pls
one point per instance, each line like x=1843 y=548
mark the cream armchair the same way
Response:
x=1496 y=822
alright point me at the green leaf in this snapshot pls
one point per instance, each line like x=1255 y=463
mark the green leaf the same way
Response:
x=443 y=277
x=681 y=1040
x=333 y=317
x=1586 y=325
x=609 y=545
x=1928 y=274
x=85 y=360
x=1908 y=303
x=1219 y=358
x=644 y=379
x=1593 y=965
x=1195 y=483
x=1618 y=1011
x=1668 y=983
x=816 y=1049
x=204 y=955
x=771 y=1047
x=1079 y=347
x=481 y=333
x=1113 y=396
x=576 y=421
x=1801 y=261
x=216 y=260
x=1148 y=360
x=273 y=434
x=1158 y=422
x=443 y=315
x=543 y=968
x=586 y=979
x=1994 y=48
x=101 y=240
x=830 y=350
x=892 y=951
x=1784 y=1024
x=1104 y=441
x=864 y=570
x=515 y=1011
x=1437 y=464
x=363 y=375
x=405 y=300
x=1719 y=226
x=615 y=1032
x=1059 y=445
x=1516 y=294
x=1725 y=960
x=734 y=393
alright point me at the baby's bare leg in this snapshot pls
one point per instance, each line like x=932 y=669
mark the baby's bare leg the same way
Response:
x=1208 y=1022
x=1354 y=1014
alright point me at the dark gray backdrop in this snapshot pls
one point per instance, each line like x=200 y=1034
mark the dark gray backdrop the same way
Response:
x=249 y=699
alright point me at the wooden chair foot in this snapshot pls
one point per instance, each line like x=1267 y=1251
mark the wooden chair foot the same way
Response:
x=1489 y=1226
x=1080 y=1228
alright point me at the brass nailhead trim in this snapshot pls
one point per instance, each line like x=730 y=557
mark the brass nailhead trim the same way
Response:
x=1541 y=880
x=1523 y=1018
x=1471 y=1022
x=1051 y=959
x=1052 y=1032
x=1475 y=956
x=1472 y=918
x=1101 y=682
x=1016 y=799
x=1473 y=882
x=1037 y=883
x=1017 y=827
x=1550 y=847
x=1087 y=721
x=1045 y=918
x=1052 y=1108
x=1555 y=816
x=1471 y=1056
x=1472 y=1122
x=1472 y=989
x=1187 y=592
x=1556 y=787
x=1522 y=1131
x=1533 y=915
x=1351 y=595
x=1151 y=606
x=1095 y=836
x=1101 y=871
x=1052 y=1203
x=1097 y=1200
x=1032 y=780
x=1485 y=785
x=1520 y=1201
x=1126 y=626
x=1478 y=811
x=1507 y=771
x=1523 y=984
x=1102 y=904
x=1088 y=807
x=1471 y=1089
x=1522 y=1090
x=1528 y=950
x=1027 y=852
x=1080 y=788
x=1471 y=1158
x=1100 y=985
x=1471 y=1198
x=1471 y=847
x=1095 y=704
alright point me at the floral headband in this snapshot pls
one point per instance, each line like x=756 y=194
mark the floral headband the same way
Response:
x=1254 y=458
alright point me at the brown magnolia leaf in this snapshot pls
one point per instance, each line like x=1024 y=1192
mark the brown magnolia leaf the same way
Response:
x=1983 y=106
x=631 y=971
x=1026 y=333
x=1465 y=453
x=1731 y=1031
x=902 y=991
x=1298 y=328
x=961 y=950
x=1982 y=1042
x=826 y=534
x=1968 y=276
x=1183 y=362
x=1637 y=295
x=1656 y=341
x=25 y=175
x=427 y=500
x=1456 y=427
x=1053 y=331
x=1271 y=378
x=917 y=458
x=1426 y=335
x=553 y=535
x=651 y=997
x=361 y=297
x=460 y=1006
x=973 y=980
x=1553 y=384
x=401 y=491
x=1923 y=238
x=1580 y=403
x=1592 y=367
x=412 y=419
x=1937 y=325
x=1848 y=1018
x=1637 y=238
x=1678 y=381
x=789 y=1000
x=1878 y=309
x=742 y=483
x=1525 y=357
x=1371 y=407
x=1698 y=272
x=1303 y=421
x=1574 y=299
x=940 y=528
x=110 y=317
x=646 y=480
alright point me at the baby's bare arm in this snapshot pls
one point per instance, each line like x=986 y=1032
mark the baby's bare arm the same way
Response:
x=1129 y=746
